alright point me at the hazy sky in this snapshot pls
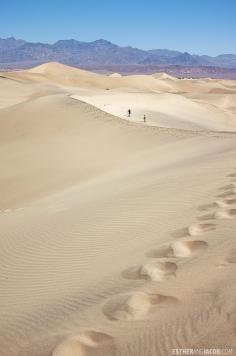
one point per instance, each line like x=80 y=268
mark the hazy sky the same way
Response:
x=196 y=26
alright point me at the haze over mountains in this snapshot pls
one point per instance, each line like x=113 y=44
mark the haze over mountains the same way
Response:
x=102 y=54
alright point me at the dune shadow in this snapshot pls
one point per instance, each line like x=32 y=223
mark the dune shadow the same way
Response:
x=231 y=175
x=230 y=193
x=210 y=216
x=226 y=213
x=228 y=186
x=161 y=252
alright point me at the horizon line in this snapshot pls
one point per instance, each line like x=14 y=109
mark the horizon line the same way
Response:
x=128 y=46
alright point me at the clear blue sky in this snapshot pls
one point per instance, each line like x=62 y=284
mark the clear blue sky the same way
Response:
x=196 y=26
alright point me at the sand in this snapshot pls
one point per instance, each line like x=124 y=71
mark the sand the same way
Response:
x=117 y=238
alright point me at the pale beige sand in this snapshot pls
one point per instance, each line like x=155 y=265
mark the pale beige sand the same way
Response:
x=116 y=238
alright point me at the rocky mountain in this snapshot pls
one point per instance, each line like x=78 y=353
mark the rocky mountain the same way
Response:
x=10 y=43
x=22 y=54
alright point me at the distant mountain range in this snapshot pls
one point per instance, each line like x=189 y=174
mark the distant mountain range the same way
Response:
x=16 y=54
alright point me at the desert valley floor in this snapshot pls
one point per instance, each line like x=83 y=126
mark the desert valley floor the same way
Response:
x=117 y=237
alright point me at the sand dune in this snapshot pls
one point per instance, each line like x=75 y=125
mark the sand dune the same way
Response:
x=166 y=101
x=163 y=76
x=12 y=92
x=115 y=75
x=116 y=237
x=162 y=109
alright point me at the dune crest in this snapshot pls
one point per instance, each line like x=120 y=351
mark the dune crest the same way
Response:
x=163 y=75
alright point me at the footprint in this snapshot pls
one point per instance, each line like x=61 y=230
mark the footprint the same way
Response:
x=209 y=216
x=88 y=343
x=158 y=271
x=133 y=273
x=161 y=252
x=198 y=229
x=229 y=258
x=181 y=248
x=41 y=346
x=207 y=206
x=134 y=306
x=5 y=211
x=194 y=230
x=223 y=203
x=128 y=307
x=231 y=318
x=225 y=213
x=231 y=175
x=187 y=248
x=228 y=186
x=184 y=232
x=154 y=271
x=230 y=193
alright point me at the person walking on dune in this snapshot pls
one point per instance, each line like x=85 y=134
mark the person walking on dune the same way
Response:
x=129 y=113
x=144 y=118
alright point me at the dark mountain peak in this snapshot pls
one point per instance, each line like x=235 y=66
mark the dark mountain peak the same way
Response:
x=185 y=59
x=186 y=55
x=226 y=55
x=10 y=43
x=70 y=41
x=9 y=39
x=103 y=43
x=165 y=53
x=68 y=44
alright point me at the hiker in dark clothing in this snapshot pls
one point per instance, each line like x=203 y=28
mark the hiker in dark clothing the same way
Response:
x=144 y=118
x=129 y=112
